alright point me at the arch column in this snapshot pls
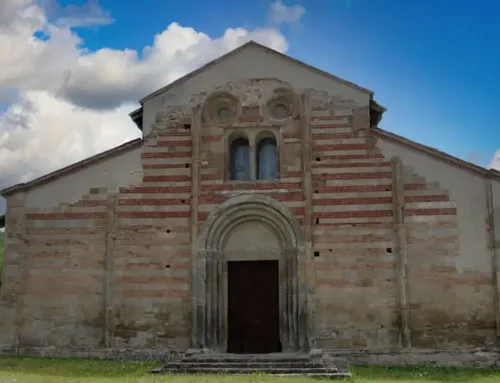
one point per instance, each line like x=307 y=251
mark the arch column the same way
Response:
x=209 y=324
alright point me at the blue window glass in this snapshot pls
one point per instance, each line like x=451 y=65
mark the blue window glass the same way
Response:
x=267 y=161
x=240 y=160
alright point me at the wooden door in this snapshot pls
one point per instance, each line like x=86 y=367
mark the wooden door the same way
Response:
x=253 y=307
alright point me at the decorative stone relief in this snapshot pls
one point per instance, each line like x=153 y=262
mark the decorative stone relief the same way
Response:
x=221 y=108
x=281 y=106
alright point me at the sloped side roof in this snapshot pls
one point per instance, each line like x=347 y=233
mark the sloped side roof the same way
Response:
x=454 y=161
x=130 y=145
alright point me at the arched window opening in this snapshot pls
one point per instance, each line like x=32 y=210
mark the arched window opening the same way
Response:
x=239 y=169
x=267 y=159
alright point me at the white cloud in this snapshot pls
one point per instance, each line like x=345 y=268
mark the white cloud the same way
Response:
x=71 y=103
x=43 y=132
x=281 y=14
x=106 y=78
x=495 y=161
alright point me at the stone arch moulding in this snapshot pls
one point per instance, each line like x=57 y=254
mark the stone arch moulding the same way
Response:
x=209 y=273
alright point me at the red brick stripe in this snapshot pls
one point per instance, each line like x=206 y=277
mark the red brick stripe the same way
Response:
x=170 y=133
x=347 y=157
x=212 y=177
x=445 y=211
x=263 y=186
x=166 y=155
x=172 y=144
x=427 y=198
x=217 y=199
x=320 y=148
x=351 y=176
x=154 y=214
x=290 y=135
x=164 y=166
x=331 y=136
x=163 y=293
x=340 y=165
x=354 y=214
x=354 y=226
x=327 y=118
x=352 y=201
x=330 y=126
x=422 y=186
x=353 y=188
x=155 y=189
x=352 y=238
x=152 y=279
x=152 y=201
x=167 y=178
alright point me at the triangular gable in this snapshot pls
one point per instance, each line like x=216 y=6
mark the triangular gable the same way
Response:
x=263 y=48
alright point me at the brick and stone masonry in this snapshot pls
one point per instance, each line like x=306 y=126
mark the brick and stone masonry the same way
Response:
x=378 y=272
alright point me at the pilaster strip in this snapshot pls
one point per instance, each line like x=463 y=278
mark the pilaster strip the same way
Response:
x=401 y=249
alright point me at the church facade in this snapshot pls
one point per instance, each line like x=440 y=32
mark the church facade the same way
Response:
x=262 y=211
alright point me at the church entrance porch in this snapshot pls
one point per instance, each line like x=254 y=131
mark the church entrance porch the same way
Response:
x=249 y=292
x=253 y=307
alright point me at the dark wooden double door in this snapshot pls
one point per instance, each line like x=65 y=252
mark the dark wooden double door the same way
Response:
x=253 y=307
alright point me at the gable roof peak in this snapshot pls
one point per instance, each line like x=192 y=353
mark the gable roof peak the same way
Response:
x=240 y=49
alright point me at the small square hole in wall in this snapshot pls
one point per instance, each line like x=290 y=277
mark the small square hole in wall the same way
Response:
x=316 y=253
x=317 y=221
x=168 y=231
x=187 y=126
x=318 y=159
x=187 y=165
x=167 y=266
x=389 y=250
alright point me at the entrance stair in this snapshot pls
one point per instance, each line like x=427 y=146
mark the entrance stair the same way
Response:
x=275 y=364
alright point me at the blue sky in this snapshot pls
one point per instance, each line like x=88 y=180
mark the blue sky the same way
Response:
x=433 y=63
x=72 y=70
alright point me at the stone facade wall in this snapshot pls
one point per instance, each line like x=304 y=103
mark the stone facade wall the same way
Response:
x=386 y=247
x=112 y=271
x=152 y=245
x=54 y=262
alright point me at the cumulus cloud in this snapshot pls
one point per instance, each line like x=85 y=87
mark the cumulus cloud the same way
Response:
x=63 y=103
x=282 y=14
x=495 y=161
x=43 y=132
x=108 y=77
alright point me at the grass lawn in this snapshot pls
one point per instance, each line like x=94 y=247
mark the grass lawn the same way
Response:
x=27 y=370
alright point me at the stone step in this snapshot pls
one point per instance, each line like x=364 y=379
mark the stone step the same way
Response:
x=332 y=376
x=288 y=373
x=272 y=364
x=245 y=360
x=271 y=371
x=249 y=364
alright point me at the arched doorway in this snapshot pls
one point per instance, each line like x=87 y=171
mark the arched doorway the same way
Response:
x=249 y=228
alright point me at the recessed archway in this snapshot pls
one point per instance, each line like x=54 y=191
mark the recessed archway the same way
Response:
x=249 y=213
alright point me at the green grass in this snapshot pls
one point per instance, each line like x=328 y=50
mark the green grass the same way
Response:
x=27 y=370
